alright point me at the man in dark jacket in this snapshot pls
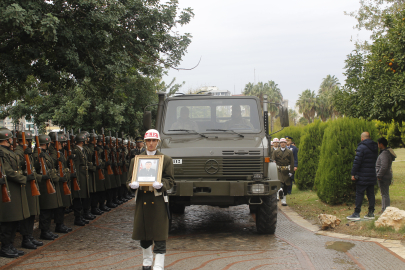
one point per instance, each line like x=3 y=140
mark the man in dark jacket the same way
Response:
x=363 y=172
x=384 y=171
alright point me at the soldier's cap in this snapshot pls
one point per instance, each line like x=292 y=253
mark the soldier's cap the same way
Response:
x=283 y=140
x=288 y=137
x=138 y=139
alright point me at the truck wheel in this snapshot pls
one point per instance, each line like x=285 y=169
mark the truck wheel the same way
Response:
x=266 y=215
x=177 y=208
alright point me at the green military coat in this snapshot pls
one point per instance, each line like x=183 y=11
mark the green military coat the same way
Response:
x=284 y=159
x=117 y=177
x=107 y=181
x=99 y=183
x=150 y=220
x=33 y=201
x=89 y=149
x=18 y=208
x=46 y=200
x=66 y=199
x=124 y=175
x=80 y=162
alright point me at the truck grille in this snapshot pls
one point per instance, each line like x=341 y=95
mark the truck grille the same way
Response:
x=236 y=167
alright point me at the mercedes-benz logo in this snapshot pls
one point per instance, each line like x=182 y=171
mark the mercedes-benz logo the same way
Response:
x=211 y=166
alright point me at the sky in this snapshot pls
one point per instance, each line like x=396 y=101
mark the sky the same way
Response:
x=294 y=43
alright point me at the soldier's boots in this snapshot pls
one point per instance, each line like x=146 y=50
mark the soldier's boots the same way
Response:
x=96 y=211
x=19 y=252
x=146 y=267
x=27 y=243
x=280 y=193
x=7 y=252
x=79 y=221
x=147 y=258
x=48 y=235
x=111 y=205
x=62 y=228
x=284 y=201
x=36 y=242
x=87 y=215
x=159 y=262
x=118 y=202
x=104 y=208
x=126 y=196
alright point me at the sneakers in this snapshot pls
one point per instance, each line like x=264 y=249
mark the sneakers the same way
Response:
x=354 y=216
x=370 y=215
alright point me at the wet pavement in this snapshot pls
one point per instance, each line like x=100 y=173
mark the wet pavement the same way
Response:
x=204 y=238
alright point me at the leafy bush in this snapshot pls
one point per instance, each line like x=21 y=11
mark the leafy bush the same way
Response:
x=293 y=131
x=392 y=132
x=308 y=155
x=333 y=178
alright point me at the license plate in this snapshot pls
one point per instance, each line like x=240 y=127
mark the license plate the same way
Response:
x=177 y=161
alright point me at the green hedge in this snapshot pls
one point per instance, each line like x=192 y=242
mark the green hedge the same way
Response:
x=333 y=178
x=293 y=131
x=308 y=154
x=394 y=133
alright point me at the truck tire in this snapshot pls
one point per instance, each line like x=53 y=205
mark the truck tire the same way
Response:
x=266 y=215
x=177 y=208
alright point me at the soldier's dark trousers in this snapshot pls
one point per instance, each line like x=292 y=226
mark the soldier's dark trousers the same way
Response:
x=94 y=199
x=286 y=189
x=102 y=196
x=86 y=204
x=59 y=215
x=27 y=226
x=7 y=232
x=45 y=218
x=110 y=194
x=77 y=207
x=159 y=248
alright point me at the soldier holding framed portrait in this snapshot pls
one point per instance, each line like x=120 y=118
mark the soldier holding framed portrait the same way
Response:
x=151 y=174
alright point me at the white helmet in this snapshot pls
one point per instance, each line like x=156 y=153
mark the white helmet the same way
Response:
x=283 y=140
x=275 y=140
x=272 y=143
x=152 y=134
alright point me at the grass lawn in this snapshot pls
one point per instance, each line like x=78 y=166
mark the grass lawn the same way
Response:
x=307 y=204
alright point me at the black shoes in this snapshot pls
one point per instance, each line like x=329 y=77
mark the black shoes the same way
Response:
x=79 y=222
x=104 y=208
x=62 y=228
x=26 y=243
x=7 y=252
x=47 y=235
x=19 y=252
x=36 y=242
x=96 y=211
x=111 y=205
x=88 y=216
x=85 y=220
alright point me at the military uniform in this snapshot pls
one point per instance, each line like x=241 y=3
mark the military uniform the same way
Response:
x=285 y=166
x=17 y=209
x=27 y=225
x=101 y=184
x=49 y=203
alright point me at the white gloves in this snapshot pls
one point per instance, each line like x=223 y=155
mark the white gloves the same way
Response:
x=134 y=185
x=290 y=174
x=157 y=185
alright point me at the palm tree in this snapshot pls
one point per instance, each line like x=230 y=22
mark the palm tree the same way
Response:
x=293 y=115
x=308 y=104
x=273 y=96
x=326 y=90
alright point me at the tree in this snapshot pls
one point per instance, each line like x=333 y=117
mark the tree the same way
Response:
x=333 y=176
x=293 y=115
x=375 y=81
x=308 y=104
x=63 y=43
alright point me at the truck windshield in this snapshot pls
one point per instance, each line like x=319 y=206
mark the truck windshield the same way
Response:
x=211 y=116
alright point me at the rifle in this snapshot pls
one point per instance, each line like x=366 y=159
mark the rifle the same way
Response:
x=6 y=196
x=49 y=185
x=100 y=173
x=65 y=151
x=76 y=186
x=112 y=156
x=34 y=188
x=15 y=138
x=66 y=189
x=109 y=171
x=124 y=166
x=118 y=153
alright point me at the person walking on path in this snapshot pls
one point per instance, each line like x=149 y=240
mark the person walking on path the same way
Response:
x=364 y=173
x=383 y=169
x=151 y=221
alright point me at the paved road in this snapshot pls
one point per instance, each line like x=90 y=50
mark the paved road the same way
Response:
x=204 y=238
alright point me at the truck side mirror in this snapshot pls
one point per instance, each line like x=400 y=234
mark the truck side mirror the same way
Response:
x=284 y=120
x=147 y=120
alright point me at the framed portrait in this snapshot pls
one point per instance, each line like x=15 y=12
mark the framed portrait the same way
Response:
x=147 y=169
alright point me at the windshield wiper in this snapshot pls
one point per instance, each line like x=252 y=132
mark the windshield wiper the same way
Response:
x=189 y=131
x=226 y=130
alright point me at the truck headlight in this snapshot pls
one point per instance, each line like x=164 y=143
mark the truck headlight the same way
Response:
x=258 y=188
x=257 y=176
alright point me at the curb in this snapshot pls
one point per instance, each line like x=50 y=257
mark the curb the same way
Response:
x=394 y=246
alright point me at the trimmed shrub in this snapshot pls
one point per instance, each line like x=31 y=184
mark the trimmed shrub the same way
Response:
x=308 y=155
x=292 y=131
x=333 y=177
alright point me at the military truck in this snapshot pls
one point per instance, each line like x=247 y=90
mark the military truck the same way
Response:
x=221 y=153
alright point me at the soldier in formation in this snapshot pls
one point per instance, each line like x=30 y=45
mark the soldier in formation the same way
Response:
x=284 y=159
x=62 y=172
